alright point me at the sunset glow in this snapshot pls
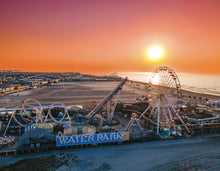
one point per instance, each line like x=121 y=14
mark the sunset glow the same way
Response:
x=155 y=79
x=109 y=36
x=155 y=53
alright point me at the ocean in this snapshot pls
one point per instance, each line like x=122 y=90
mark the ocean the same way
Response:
x=208 y=84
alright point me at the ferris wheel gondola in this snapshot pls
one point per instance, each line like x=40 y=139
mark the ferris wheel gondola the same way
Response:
x=164 y=80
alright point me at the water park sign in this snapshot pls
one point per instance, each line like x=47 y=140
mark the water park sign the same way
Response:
x=91 y=139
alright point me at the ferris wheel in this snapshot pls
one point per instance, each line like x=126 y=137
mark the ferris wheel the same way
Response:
x=165 y=86
x=166 y=81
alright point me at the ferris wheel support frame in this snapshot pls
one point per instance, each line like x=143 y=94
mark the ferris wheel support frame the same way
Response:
x=158 y=119
x=172 y=79
x=165 y=113
x=178 y=115
x=161 y=103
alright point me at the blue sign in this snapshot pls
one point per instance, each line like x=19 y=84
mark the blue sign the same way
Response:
x=91 y=139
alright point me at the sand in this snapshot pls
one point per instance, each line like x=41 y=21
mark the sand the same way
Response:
x=71 y=93
x=79 y=93
x=182 y=154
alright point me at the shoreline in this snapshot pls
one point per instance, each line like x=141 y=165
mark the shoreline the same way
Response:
x=76 y=91
x=208 y=84
x=71 y=93
x=137 y=82
x=215 y=96
x=198 y=94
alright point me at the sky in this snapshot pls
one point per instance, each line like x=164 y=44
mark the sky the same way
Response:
x=96 y=36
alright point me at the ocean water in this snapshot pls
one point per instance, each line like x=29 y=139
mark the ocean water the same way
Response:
x=208 y=84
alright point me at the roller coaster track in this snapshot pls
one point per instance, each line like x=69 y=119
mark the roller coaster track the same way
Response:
x=166 y=126
x=207 y=107
x=106 y=99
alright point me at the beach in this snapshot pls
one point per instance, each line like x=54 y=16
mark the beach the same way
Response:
x=181 y=154
x=200 y=153
x=110 y=85
x=70 y=93
x=80 y=93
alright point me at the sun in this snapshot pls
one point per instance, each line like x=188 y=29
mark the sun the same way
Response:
x=155 y=53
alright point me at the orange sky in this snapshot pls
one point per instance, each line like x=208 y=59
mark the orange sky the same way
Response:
x=109 y=36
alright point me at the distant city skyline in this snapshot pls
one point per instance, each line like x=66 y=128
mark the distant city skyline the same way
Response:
x=109 y=36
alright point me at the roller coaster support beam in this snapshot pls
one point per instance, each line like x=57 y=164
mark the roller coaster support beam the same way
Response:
x=108 y=107
x=8 y=125
x=106 y=99
x=113 y=109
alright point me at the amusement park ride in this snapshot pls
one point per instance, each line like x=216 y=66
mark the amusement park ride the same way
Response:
x=163 y=110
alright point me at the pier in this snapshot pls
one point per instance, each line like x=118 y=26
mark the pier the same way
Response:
x=139 y=111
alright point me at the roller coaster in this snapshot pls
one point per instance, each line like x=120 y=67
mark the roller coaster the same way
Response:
x=162 y=112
